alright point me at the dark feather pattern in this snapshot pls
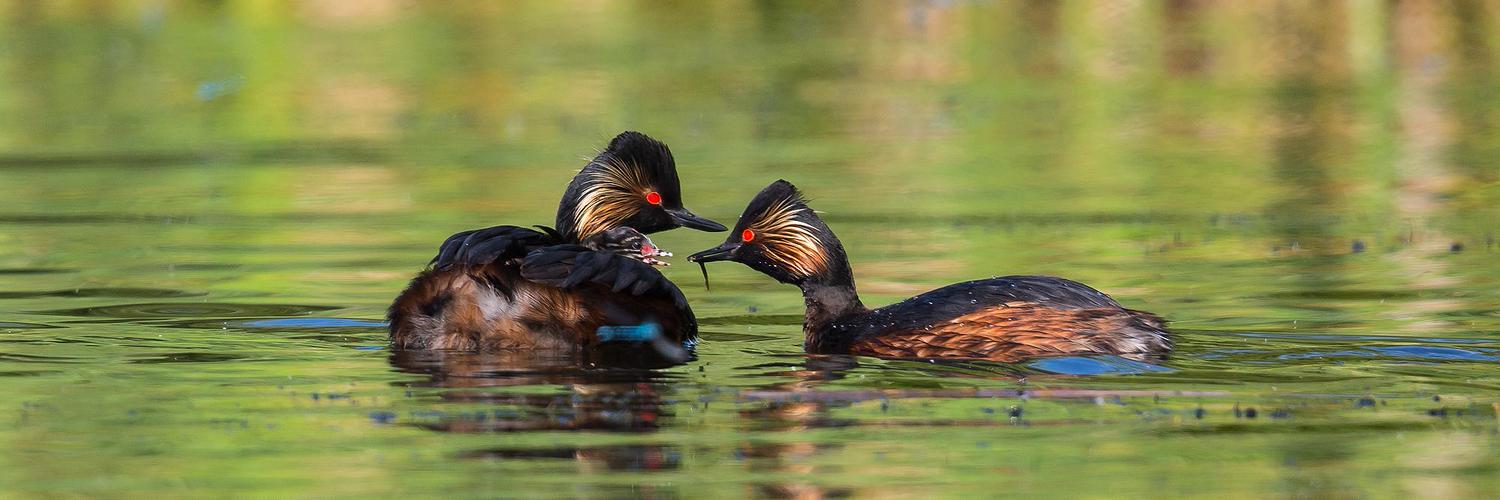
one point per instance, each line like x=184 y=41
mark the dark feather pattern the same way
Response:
x=483 y=246
x=570 y=266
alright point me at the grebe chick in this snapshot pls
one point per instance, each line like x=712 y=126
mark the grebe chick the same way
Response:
x=627 y=242
x=999 y=319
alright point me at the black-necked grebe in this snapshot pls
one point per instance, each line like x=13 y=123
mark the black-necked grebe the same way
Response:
x=1001 y=319
x=508 y=287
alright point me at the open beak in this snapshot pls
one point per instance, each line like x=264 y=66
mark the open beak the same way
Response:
x=715 y=254
x=686 y=219
x=650 y=252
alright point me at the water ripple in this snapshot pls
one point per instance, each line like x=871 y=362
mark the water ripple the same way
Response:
x=133 y=293
x=11 y=325
x=187 y=357
x=34 y=270
x=172 y=310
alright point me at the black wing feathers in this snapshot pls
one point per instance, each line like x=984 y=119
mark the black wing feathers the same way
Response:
x=546 y=262
x=1046 y=290
x=568 y=266
x=963 y=298
x=483 y=246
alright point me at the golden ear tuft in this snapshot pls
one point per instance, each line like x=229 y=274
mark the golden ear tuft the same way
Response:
x=611 y=195
x=790 y=242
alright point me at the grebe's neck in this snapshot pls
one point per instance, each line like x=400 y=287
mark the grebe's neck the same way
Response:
x=831 y=299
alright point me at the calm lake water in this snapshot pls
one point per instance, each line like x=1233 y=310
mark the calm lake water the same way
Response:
x=205 y=208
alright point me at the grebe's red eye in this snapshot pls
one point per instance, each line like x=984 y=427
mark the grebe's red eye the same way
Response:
x=748 y=235
x=653 y=198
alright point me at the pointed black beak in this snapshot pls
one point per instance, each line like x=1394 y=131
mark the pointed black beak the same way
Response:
x=715 y=254
x=686 y=219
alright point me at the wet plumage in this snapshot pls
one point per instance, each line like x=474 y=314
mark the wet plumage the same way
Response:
x=509 y=287
x=1001 y=319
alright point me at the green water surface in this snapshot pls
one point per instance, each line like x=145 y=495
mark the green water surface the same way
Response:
x=206 y=206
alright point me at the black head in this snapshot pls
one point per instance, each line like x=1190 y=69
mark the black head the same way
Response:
x=780 y=236
x=628 y=242
x=632 y=183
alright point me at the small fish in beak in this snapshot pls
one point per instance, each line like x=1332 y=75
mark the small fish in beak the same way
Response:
x=722 y=252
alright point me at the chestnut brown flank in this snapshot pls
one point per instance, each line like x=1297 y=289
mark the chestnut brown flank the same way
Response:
x=1013 y=332
x=457 y=309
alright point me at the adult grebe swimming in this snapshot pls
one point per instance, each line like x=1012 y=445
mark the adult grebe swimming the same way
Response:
x=1001 y=319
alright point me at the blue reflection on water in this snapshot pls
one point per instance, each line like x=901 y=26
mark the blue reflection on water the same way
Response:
x=1375 y=338
x=1095 y=365
x=1401 y=352
x=1421 y=352
x=314 y=323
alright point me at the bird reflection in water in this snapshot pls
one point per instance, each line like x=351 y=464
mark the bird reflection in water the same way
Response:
x=633 y=458
x=796 y=417
x=598 y=391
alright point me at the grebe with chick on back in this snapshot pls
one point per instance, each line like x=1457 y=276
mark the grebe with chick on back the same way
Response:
x=510 y=287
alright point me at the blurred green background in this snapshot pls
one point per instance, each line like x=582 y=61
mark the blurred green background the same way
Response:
x=205 y=207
